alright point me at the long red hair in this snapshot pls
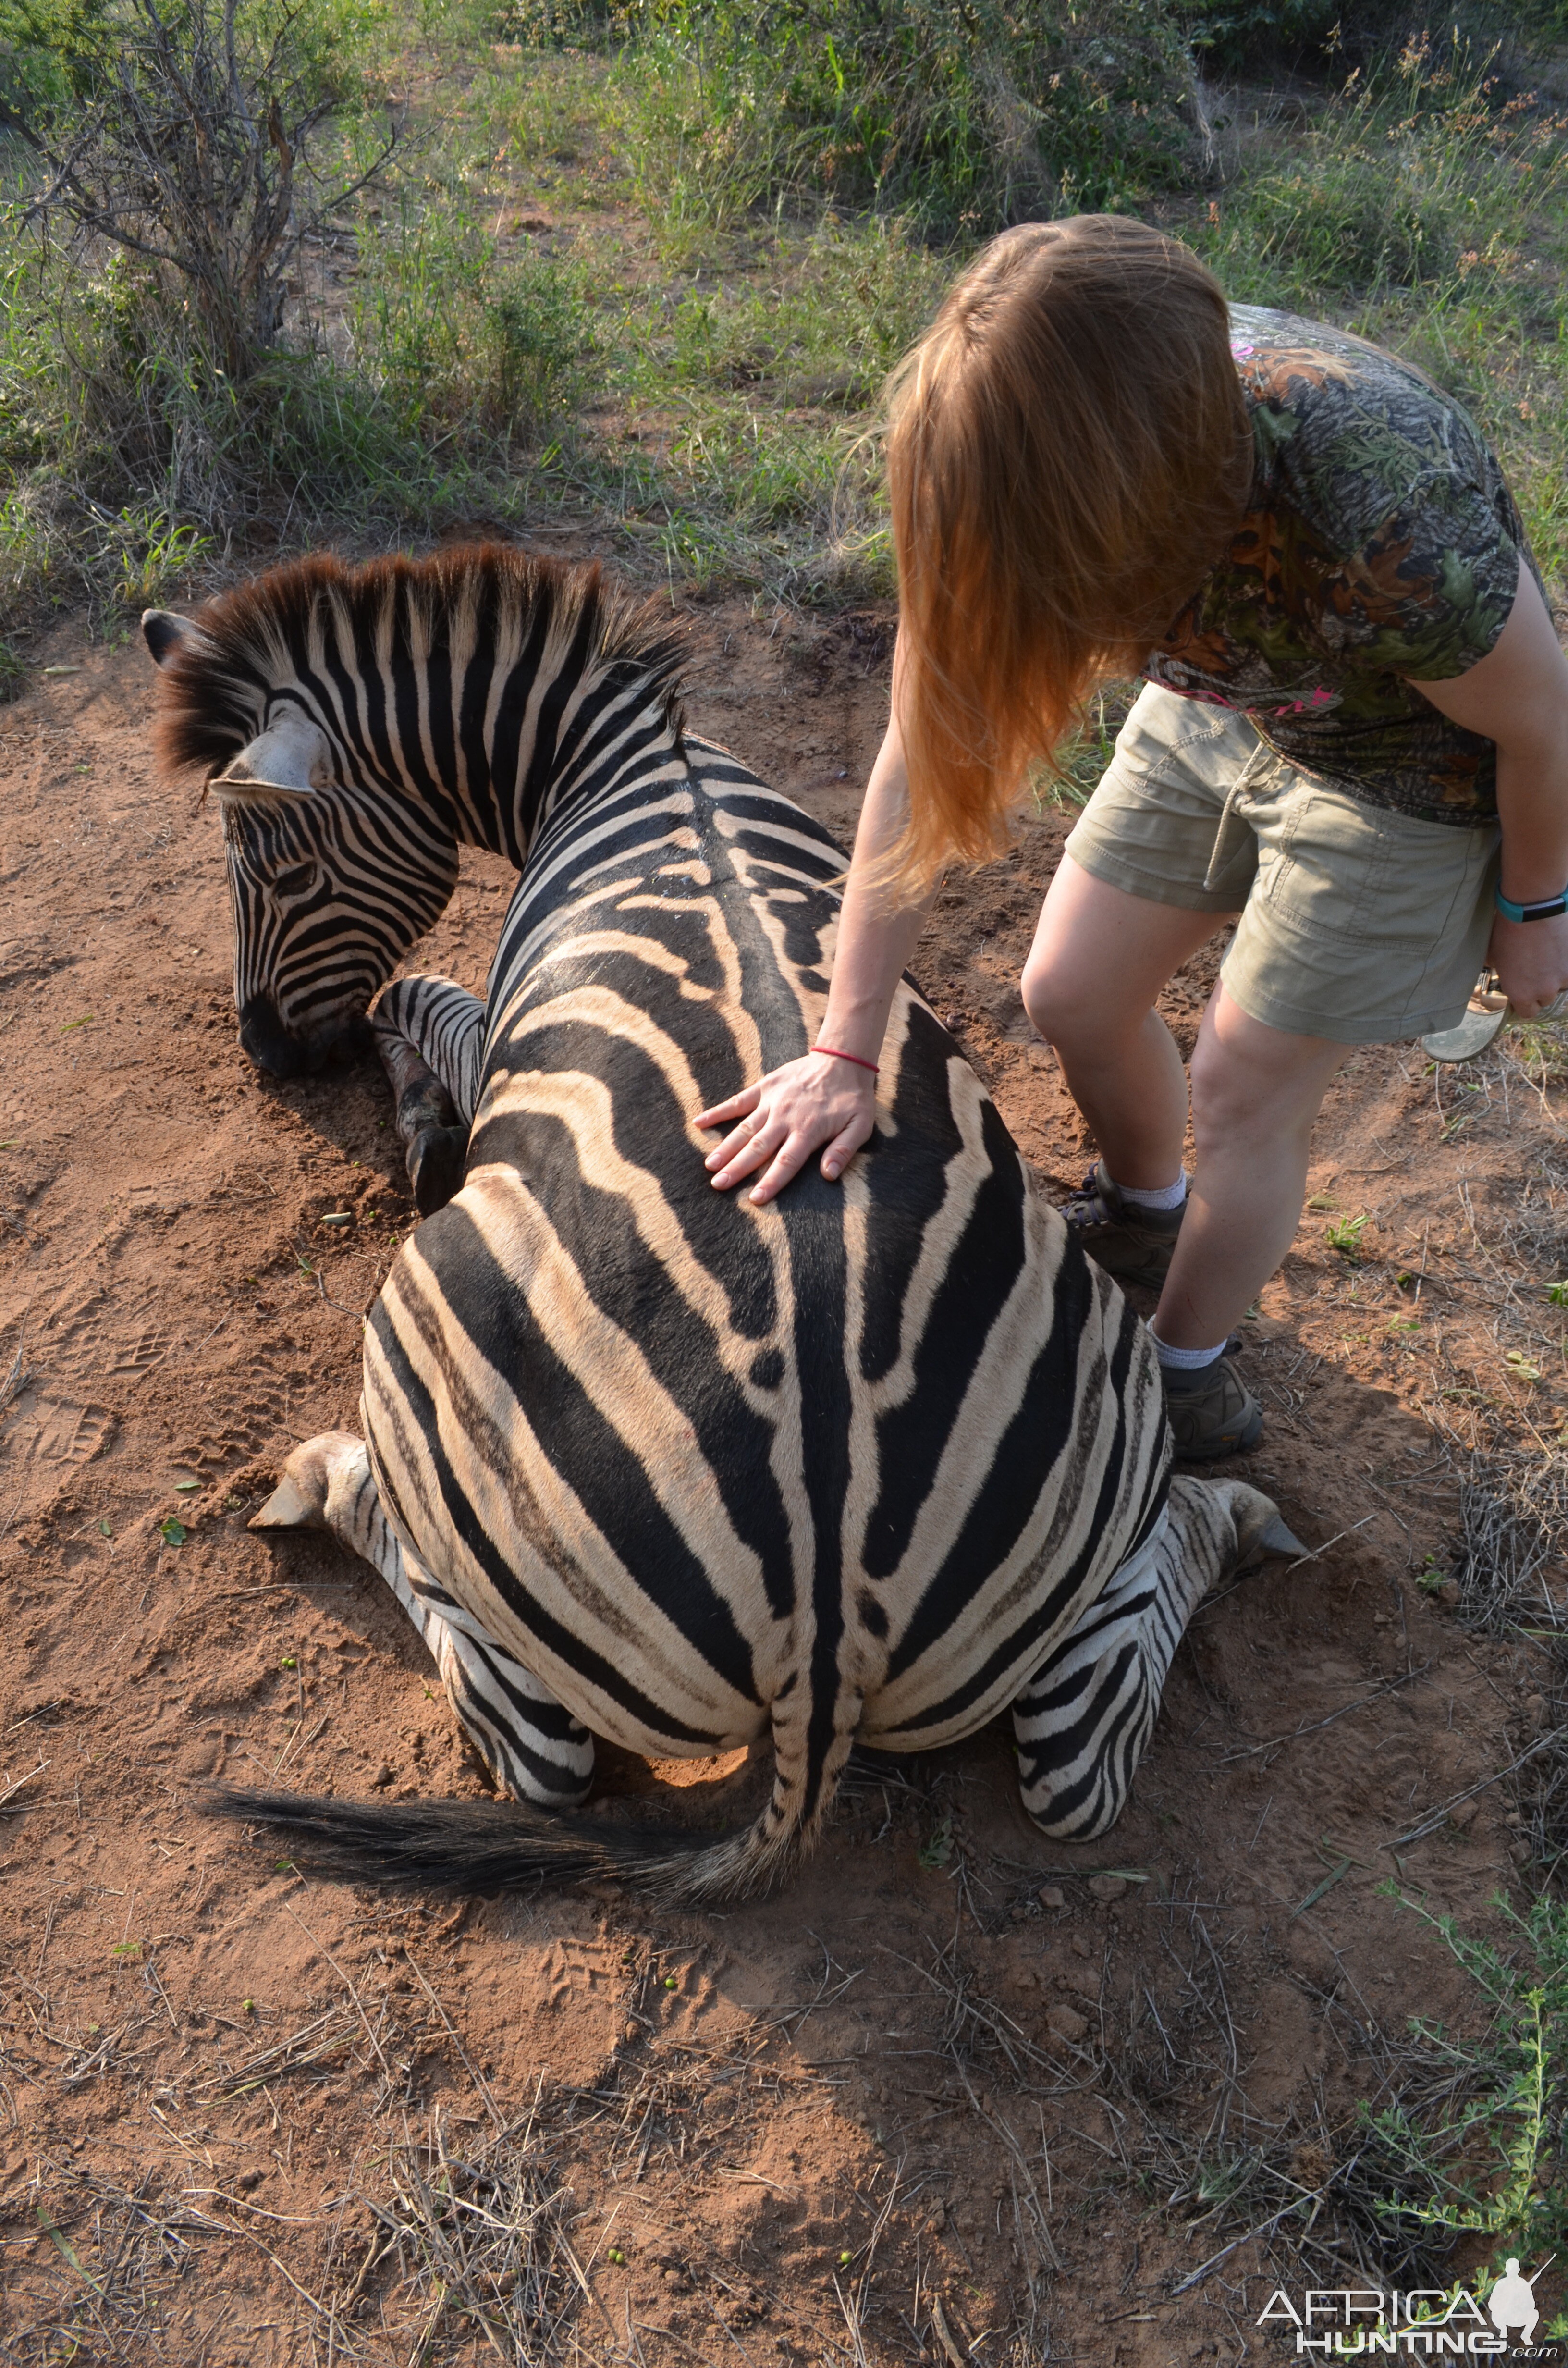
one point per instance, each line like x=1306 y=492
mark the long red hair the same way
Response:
x=1068 y=455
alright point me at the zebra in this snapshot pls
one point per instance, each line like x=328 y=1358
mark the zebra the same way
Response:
x=640 y=1461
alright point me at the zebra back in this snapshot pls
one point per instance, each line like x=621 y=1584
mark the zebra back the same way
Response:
x=850 y=1463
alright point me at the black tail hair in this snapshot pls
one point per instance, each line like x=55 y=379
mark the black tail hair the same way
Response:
x=481 y=1847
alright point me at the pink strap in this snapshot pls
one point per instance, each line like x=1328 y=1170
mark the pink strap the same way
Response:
x=834 y=1055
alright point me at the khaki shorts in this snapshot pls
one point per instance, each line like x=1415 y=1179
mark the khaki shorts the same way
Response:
x=1356 y=924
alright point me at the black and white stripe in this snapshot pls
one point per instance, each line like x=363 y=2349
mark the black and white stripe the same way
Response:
x=647 y=1461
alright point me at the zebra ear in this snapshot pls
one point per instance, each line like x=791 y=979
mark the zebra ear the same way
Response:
x=289 y=759
x=163 y=633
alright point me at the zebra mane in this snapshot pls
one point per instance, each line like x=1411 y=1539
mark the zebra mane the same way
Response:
x=257 y=638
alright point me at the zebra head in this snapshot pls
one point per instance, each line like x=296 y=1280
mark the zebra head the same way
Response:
x=357 y=723
x=332 y=880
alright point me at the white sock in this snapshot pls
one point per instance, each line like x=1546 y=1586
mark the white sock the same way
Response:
x=1184 y=1361
x=1162 y=1196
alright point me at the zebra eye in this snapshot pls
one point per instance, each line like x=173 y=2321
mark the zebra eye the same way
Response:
x=295 y=883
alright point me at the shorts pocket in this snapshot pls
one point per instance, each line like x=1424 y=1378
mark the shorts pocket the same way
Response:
x=1329 y=869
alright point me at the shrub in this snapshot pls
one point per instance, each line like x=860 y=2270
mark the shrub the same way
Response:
x=187 y=139
x=1491 y=2166
x=454 y=347
x=1235 y=33
x=1408 y=181
x=966 y=112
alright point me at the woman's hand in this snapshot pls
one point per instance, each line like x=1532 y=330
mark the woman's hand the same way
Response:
x=1530 y=958
x=793 y=1112
x=822 y=1099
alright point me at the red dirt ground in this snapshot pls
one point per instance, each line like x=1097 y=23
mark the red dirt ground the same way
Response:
x=835 y=2126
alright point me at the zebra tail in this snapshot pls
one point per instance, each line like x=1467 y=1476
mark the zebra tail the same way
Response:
x=481 y=1847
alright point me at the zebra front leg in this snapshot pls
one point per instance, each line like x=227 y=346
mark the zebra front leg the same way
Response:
x=1083 y=1720
x=430 y=1034
x=532 y=1746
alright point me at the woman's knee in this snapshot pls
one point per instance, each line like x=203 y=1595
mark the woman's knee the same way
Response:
x=1099 y=960
x=1075 y=1011
x=1249 y=1079
x=1047 y=989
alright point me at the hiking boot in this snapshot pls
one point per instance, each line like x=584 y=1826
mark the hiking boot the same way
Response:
x=1212 y=1412
x=1133 y=1244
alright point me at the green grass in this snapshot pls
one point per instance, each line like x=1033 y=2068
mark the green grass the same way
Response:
x=1344 y=1236
x=964 y=118
x=751 y=214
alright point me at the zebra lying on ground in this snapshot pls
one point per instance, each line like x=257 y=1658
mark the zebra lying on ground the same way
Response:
x=640 y=1460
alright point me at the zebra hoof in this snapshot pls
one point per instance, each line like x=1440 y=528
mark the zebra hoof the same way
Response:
x=423 y=1104
x=436 y=1160
x=299 y=1501
x=288 y=1508
x=1278 y=1539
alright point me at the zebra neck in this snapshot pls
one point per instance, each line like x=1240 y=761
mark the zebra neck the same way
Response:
x=578 y=746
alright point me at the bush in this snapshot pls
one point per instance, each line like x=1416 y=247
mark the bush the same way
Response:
x=1317 y=36
x=187 y=139
x=163 y=374
x=1489 y=2165
x=1234 y=33
x=1412 y=180
x=966 y=113
x=455 y=348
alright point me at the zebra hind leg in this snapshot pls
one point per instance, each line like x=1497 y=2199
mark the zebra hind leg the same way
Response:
x=532 y=1746
x=429 y=1033
x=1083 y=1720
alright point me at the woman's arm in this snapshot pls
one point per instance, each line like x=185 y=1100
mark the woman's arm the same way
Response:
x=816 y=1100
x=1517 y=696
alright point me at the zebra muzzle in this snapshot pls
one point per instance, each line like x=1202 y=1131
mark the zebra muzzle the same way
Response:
x=266 y=1041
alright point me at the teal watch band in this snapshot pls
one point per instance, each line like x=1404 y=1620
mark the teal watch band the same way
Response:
x=1546 y=911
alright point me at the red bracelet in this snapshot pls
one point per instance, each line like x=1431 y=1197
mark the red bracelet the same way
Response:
x=847 y=1056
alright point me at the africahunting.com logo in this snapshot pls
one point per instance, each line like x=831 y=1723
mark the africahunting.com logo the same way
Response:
x=1350 y=2322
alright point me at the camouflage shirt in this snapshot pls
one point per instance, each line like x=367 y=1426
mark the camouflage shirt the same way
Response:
x=1379 y=542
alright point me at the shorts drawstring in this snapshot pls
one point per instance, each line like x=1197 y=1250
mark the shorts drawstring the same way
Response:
x=1231 y=817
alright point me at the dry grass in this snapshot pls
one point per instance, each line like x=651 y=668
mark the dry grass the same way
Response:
x=120 y=2273
x=469 y=2237
x=1313 y=2191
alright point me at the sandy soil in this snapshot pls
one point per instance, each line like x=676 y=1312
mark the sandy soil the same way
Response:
x=244 y=2113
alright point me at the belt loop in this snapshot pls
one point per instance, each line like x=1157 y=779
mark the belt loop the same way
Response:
x=1220 y=852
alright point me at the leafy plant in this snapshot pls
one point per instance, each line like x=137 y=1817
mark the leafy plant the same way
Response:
x=157 y=553
x=938 y=1848
x=1493 y=2166
x=453 y=341
x=1233 y=33
x=1344 y=1236
x=970 y=117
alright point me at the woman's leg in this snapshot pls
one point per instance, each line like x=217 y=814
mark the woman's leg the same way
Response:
x=1255 y=1091
x=1099 y=959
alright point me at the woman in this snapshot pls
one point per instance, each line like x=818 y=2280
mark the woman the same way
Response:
x=1353 y=734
